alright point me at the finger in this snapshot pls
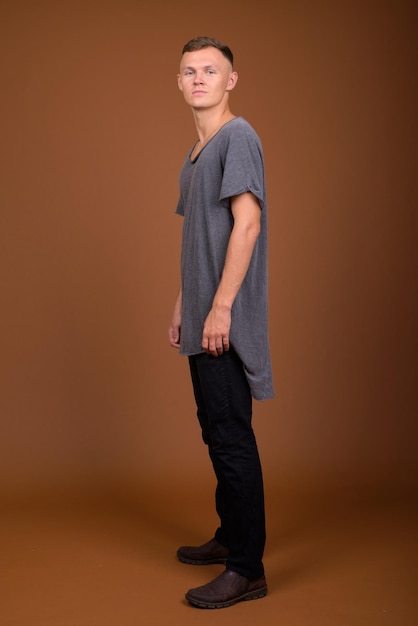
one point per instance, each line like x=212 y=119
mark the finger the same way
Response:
x=213 y=344
x=174 y=341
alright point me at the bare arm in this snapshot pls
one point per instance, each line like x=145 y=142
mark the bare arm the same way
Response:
x=246 y=211
x=175 y=326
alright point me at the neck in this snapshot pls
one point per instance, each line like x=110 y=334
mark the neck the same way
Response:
x=209 y=122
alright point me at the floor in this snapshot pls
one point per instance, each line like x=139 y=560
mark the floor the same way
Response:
x=332 y=559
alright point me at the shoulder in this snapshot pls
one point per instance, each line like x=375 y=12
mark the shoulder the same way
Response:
x=239 y=125
x=239 y=132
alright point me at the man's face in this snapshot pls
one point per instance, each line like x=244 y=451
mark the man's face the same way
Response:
x=205 y=78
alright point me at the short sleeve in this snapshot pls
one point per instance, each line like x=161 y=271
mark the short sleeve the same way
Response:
x=180 y=206
x=243 y=168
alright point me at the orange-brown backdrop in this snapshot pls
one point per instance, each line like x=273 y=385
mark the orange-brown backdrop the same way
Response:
x=94 y=134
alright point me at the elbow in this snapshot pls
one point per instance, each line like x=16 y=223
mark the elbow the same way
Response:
x=253 y=231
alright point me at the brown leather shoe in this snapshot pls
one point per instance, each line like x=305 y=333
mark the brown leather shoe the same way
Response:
x=208 y=554
x=226 y=590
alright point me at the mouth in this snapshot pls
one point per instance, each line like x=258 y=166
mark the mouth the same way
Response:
x=198 y=92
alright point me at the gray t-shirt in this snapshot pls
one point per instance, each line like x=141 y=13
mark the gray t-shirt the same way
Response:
x=231 y=163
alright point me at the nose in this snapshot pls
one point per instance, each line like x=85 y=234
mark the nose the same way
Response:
x=198 y=78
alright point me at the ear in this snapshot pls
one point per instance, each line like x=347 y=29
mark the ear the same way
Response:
x=232 y=81
x=179 y=85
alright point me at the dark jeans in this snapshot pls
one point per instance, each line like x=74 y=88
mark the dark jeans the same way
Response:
x=224 y=410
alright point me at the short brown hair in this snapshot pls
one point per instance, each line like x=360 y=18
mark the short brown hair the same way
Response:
x=198 y=43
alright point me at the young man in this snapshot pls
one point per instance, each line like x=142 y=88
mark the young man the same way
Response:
x=220 y=316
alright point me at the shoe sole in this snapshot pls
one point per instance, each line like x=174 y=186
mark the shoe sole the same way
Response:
x=251 y=595
x=182 y=559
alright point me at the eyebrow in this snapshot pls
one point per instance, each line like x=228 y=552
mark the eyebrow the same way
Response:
x=205 y=67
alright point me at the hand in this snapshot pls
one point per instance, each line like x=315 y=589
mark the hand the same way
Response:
x=215 y=338
x=174 y=335
x=174 y=329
